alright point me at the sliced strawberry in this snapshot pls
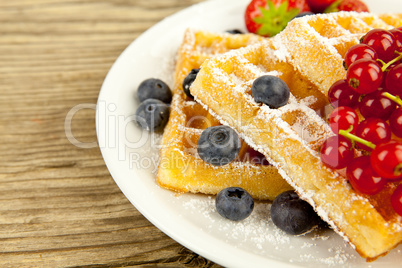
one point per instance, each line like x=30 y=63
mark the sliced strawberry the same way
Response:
x=347 y=5
x=269 y=17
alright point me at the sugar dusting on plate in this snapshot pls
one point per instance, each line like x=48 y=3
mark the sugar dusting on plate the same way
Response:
x=258 y=230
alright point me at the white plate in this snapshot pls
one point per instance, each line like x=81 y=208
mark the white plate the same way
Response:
x=131 y=155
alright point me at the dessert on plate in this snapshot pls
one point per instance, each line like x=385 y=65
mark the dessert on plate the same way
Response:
x=308 y=55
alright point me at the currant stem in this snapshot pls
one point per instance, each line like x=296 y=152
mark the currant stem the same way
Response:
x=396 y=99
x=386 y=65
x=354 y=138
x=398 y=169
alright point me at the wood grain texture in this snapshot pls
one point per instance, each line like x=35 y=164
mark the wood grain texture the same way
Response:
x=59 y=206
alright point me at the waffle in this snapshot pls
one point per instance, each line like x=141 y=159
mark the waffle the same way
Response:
x=290 y=136
x=180 y=168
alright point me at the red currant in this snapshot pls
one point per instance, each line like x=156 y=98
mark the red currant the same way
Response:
x=383 y=42
x=336 y=152
x=384 y=78
x=362 y=176
x=255 y=157
x=386 y=159
x=357 y=52
x=376 y=105
x=393 y=80
x=342 y=118
x=373 y=130
x=364 y=76
x=396 y=200
x=341 y=94
x=398 y=38
x=395 y=122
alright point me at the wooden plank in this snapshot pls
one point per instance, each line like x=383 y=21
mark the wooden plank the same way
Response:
x=59 y=205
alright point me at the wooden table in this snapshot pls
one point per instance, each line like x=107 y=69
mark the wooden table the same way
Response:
x=59 y=205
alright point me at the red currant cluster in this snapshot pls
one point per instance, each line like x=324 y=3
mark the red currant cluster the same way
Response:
x=370 y=149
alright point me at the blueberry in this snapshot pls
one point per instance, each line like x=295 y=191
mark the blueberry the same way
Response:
x=188 y=81
x=234 y=31
x=234 y=203
x=218 y=145
x=153 y=88
x=152 y=114
x=302 y=14
x=271 y=91
x=292 y=214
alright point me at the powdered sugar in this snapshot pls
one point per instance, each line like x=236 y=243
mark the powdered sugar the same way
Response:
x=258 y=234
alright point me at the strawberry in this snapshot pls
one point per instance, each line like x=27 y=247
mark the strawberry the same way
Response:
x=318 y=6
x=347 y=5
x=269 y=17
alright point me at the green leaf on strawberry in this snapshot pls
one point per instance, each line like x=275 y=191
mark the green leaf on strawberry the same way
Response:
x=269 y=17
x=274 y=20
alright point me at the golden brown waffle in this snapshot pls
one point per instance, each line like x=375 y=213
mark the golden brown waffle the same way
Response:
x=180 y=167
x=289 y=136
